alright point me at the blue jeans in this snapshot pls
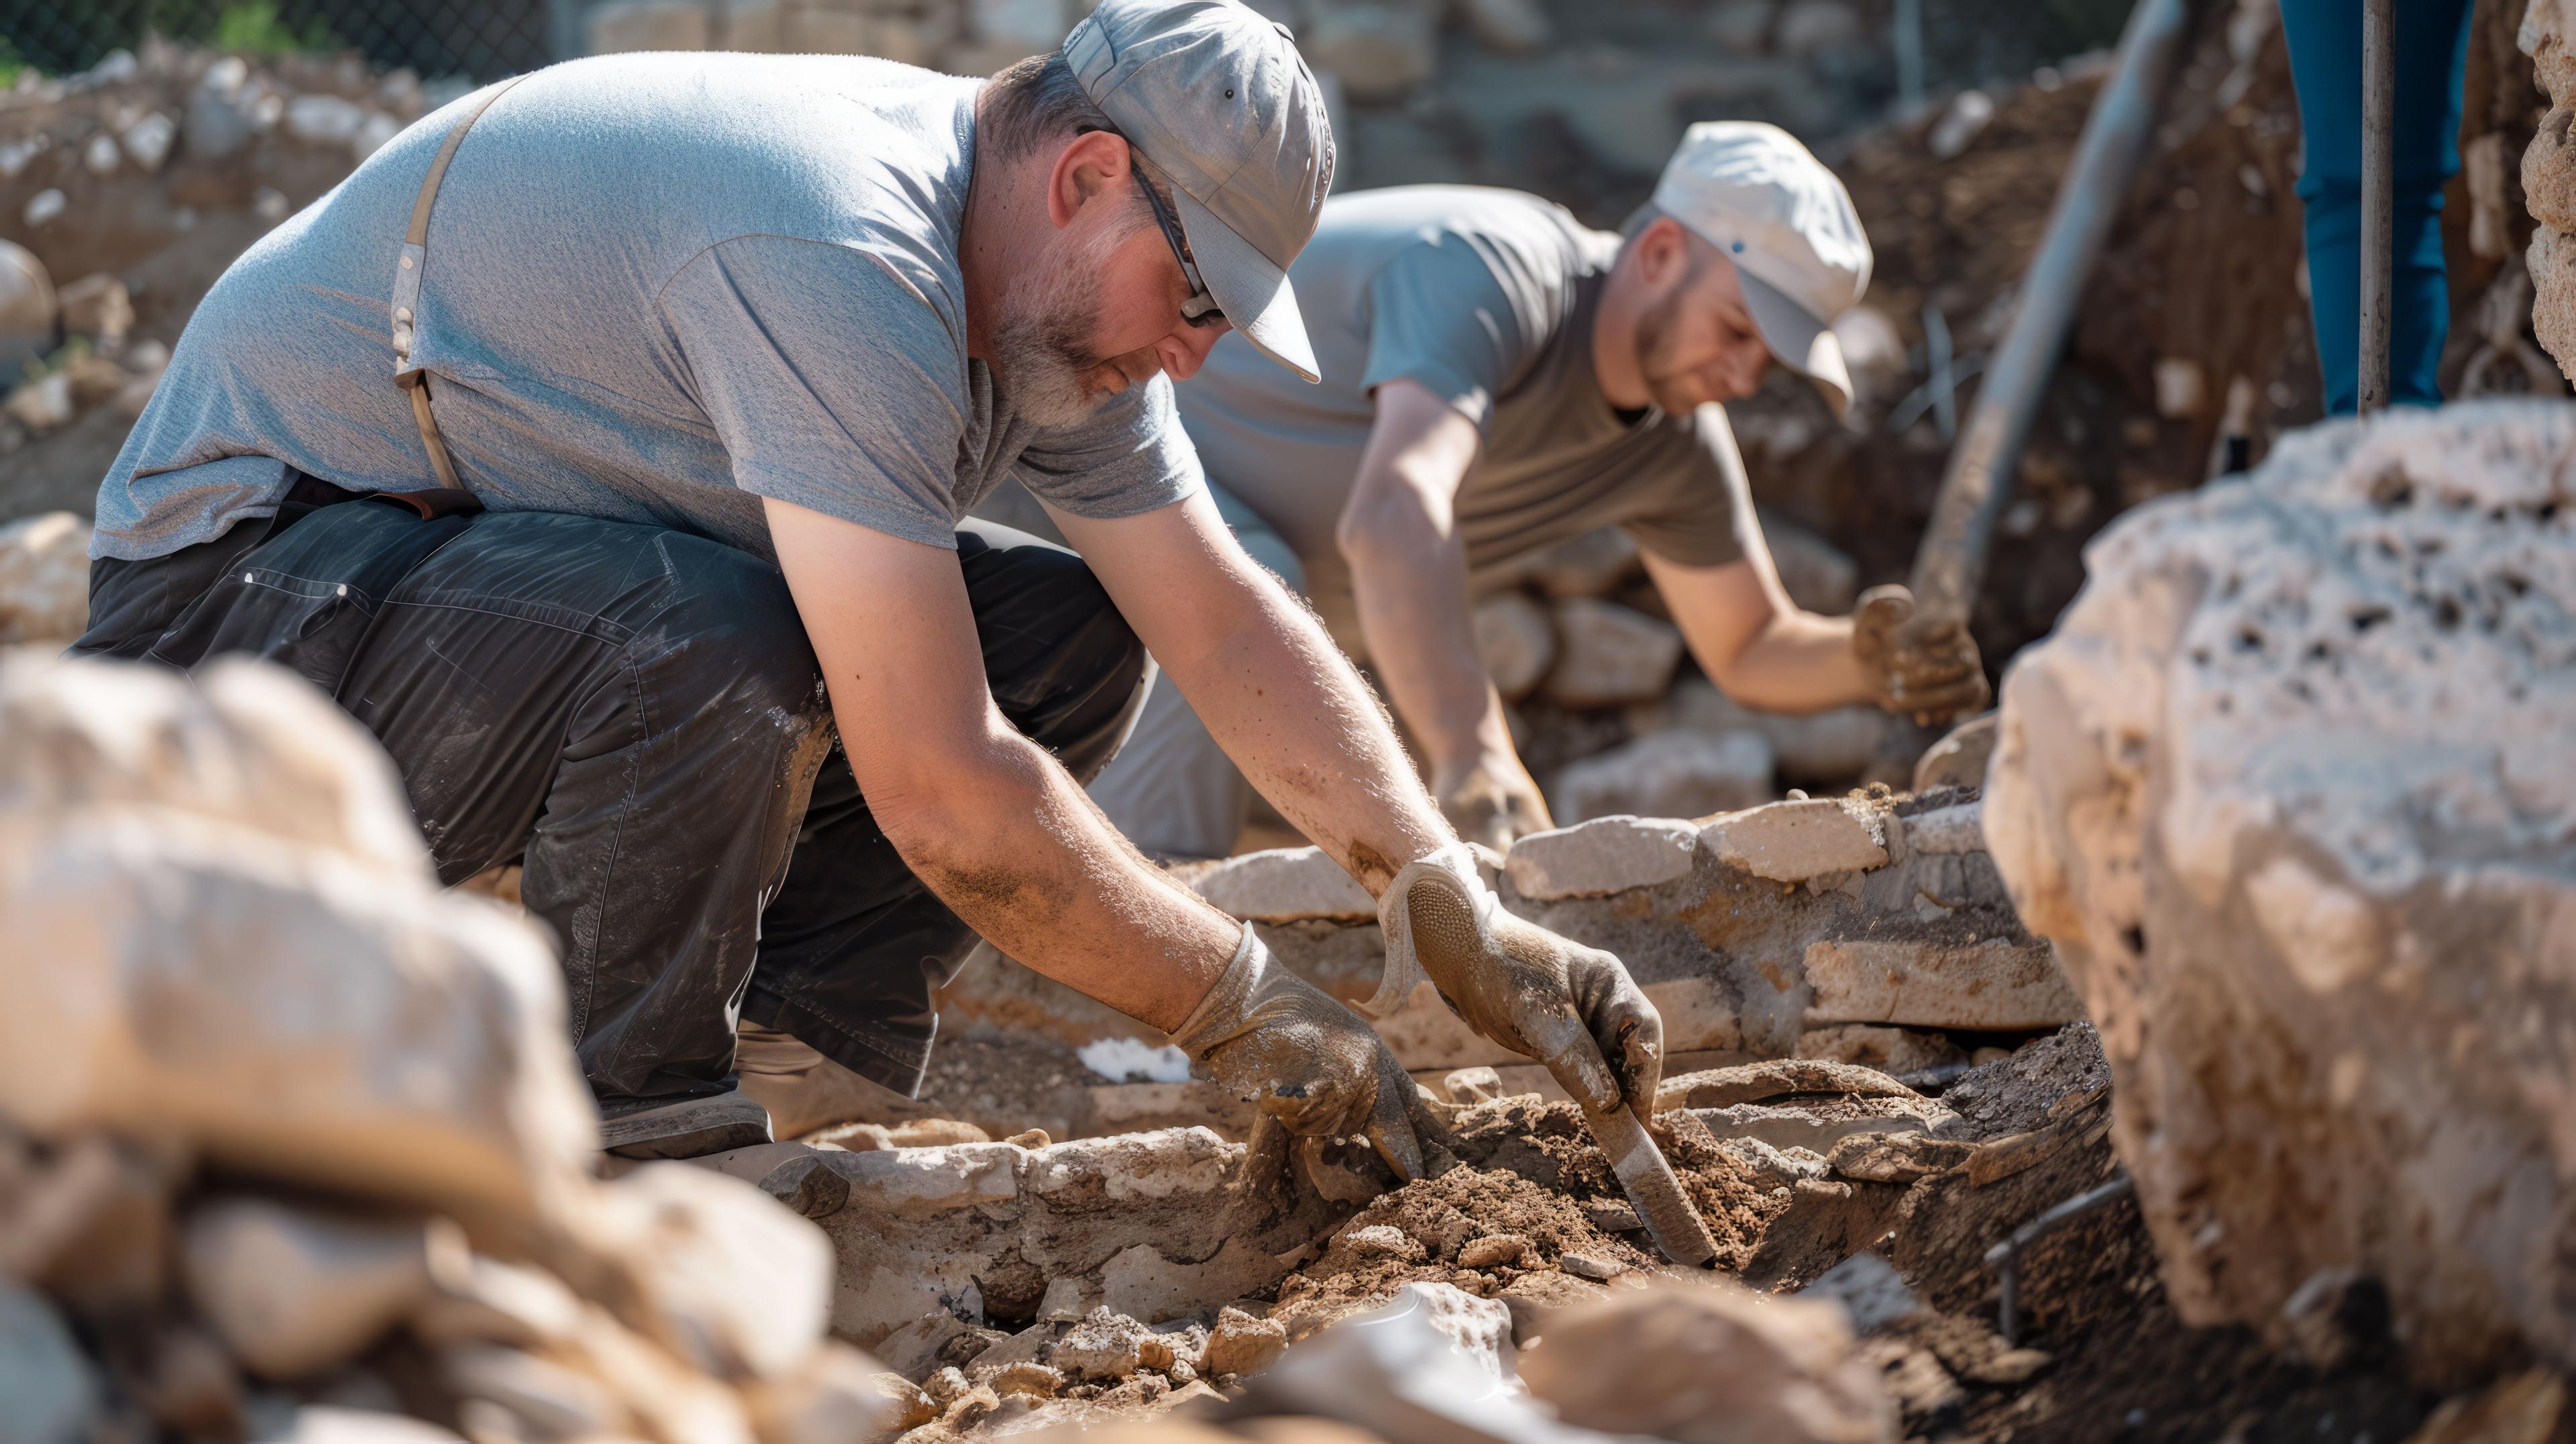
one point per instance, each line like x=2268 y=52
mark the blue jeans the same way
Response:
x=2324 y=37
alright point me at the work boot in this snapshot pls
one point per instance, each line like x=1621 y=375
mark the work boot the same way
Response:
x=804 y=1091
x=682 y=1128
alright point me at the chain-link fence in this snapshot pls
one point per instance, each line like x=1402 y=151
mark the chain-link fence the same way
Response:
x=483 y=39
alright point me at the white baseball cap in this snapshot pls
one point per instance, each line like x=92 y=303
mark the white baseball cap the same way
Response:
x=1221 y=106
x=1771 y=208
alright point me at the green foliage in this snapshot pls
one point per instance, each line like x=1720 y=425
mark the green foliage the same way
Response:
x=12 y=65
x=253 y=28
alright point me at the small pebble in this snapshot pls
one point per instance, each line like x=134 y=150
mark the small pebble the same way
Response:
x=1585 y=1266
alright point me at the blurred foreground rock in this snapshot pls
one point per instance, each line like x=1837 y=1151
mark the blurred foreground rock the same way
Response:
x=297 y=1139
x=2293 y=790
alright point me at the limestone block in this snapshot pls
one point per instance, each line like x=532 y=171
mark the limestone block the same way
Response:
x=289 y=1013
x=1667 y=774
x=1167 y=1163
x=323 y=119
x=1710 y=1361
x=1946 y=830
x=1379 y=52
x=1604 y=855
x=1103 y=1346
x=2552 y=260
x=2000 y=984
x=1833 y=747
x=1284 y=884
x=248 y=745
x=1515 y=641
x=1889 y=1050
x=476 y=1299
x=41 y=404
x=293 y=1292
x=719 y=1272
x=1242 y=1344
x=97 y=306
x=148 y=141
x=44 y=579
x=1610 y=655
x=1510 y=27
x=2299 y=765
x=647 y=25
x=1795 y=841
x=1817 y=1125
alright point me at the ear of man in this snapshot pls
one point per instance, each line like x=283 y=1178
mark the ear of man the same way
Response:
x=1092 y=165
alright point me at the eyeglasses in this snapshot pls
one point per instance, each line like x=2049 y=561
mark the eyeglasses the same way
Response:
x=1201 y=308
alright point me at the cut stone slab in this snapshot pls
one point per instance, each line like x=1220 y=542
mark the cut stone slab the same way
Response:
x=1999 y=984
x=1604 y=855
x=1243 y=1344
x=1797 y=840
x=1818 y=1124
x=1690 y=773
x=1774 y=1078
x=1286 y=884
x=1609 y=655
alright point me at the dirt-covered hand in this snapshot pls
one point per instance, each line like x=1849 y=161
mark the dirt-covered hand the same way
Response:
x=1491 y=800
x=1317 y=1067
x=1570 y=1007
x=1921 y=666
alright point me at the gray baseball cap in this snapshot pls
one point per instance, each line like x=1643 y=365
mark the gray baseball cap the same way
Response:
x=1221 y=107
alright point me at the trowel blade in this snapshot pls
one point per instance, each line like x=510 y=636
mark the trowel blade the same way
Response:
x=1657 y=1194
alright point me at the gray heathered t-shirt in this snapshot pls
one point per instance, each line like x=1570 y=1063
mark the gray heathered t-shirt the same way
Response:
x=1486 y=297
x=659 y=288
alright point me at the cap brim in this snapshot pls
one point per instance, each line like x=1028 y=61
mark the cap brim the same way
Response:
x=1253 y=292
x=1798 y=339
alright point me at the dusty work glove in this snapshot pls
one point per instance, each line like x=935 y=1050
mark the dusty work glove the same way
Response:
x=1927 y=667
x=1304 y=1059
x=1572 y=1008
x=1491 y=800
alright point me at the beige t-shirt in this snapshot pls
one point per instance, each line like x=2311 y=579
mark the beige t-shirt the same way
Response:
x=1486 y=297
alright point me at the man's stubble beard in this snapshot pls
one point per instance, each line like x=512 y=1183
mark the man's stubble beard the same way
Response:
x=1042 y=352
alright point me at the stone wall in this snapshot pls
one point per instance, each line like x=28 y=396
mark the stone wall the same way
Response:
x=2293 y=791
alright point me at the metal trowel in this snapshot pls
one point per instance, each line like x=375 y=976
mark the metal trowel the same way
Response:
x=1657 y=1194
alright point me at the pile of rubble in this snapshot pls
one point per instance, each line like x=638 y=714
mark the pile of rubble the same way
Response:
x=125 y=191
x=292 y=1141
x=2291 y=792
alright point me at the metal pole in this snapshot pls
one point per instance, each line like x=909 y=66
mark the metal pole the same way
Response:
x=1979 y=483
x=2378 y=102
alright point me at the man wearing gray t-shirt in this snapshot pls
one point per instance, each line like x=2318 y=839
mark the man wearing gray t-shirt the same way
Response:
x=1500 y=378
x=603 y=444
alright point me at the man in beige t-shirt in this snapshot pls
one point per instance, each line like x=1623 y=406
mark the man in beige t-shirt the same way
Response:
x=1500 y=378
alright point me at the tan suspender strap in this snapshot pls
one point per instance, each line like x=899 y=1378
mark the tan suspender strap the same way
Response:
x=407 y=278
x=418 y=235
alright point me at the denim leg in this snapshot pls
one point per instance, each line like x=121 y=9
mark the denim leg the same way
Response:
x=854 y=945
x=2324 y=38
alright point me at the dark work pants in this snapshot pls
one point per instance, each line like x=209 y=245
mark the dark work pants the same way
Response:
x=636 y=714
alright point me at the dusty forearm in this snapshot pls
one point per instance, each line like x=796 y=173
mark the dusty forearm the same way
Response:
x=1006 y=838
x=1295 y=716
x=1411 y=596
x=1795 y=662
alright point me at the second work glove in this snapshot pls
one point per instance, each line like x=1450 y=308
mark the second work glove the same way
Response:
x=1922 y=667
x=1315 y=1066
x=1572 y=1008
